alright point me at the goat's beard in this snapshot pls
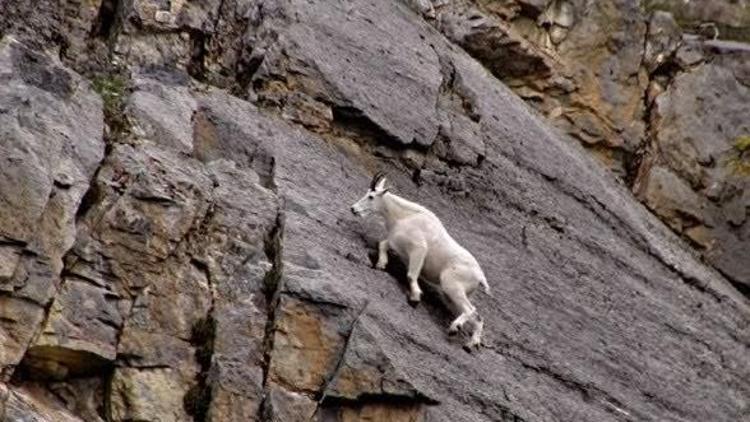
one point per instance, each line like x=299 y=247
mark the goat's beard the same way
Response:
x=364 y=213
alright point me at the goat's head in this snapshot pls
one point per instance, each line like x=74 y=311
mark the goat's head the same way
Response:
x=373 y=199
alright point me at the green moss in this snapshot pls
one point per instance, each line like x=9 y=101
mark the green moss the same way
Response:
x=742 y=143
x=739 y=157
x=113 y=89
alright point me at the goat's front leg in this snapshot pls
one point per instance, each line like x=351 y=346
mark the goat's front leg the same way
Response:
x=416 y=260
x=382 y=254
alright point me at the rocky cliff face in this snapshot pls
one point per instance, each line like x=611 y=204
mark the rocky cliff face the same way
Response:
x=694 y=174
x=176 y=243
x=721 y=19
x=634 y=91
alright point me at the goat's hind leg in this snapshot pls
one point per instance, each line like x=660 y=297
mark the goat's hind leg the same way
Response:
x=457 y=295
x=476 y=335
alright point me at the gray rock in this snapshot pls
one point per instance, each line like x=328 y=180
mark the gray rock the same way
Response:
x=697 y=124
x=243 y=219
x=162 y=115
x=33 y=405
x=562 y=63
x=217 y=243
x=286 y=406
x=662 y=40
x=80 y=333
x=729 y=18
x=344 y=54
x=49 y=156
x=535 y=306
x=365 y=370
x=147 y=394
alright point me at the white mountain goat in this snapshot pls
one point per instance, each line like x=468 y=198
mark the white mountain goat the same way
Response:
x=420 y=240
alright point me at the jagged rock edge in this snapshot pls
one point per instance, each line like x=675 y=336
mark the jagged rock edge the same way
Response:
x=81 y=208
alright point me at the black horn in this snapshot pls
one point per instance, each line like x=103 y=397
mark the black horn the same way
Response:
x=375 y=179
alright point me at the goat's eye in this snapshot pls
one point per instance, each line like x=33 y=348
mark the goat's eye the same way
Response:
x=370 y=198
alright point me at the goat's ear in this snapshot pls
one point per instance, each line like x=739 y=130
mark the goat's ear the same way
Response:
x=377 y=181
x=380 y=185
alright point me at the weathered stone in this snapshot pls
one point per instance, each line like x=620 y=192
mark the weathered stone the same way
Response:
x=50 y=155
x=311 y=114
x=75 y=400
x=133 y=243
x=20 y=322
x=459 y=140
x=423 y=7
x=730 y=18
x=222 y=230
x=662 y=40
x=527 y=177
x=672 y=199
x=32 y=405
x=155 y=33
x=152 y=394
x=162 y=114
x=242 y=223
x=366 y=77
x=172 y=49
x=156 y=15
x=82 y=328
x=366 y=371
x=287 y=406
x=701 y=235
x=48 y=164
x=504 y=51
x=375 y=412
x=307 y=344
x=81 y=20
x=82 y=396
x=563 y=64
x=9 y=258
x=696 y=124
x=221 y=246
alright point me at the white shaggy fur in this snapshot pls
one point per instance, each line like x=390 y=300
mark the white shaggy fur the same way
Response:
x=418 y=237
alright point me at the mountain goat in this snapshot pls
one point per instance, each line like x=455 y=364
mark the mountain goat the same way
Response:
x=424 y=245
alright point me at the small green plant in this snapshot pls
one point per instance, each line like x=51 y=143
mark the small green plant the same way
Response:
x=742 y=143
x=113 y=90
x=739 y=158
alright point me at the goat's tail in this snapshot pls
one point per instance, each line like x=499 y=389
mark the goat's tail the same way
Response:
x=485 y=285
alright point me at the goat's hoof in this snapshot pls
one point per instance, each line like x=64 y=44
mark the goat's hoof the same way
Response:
x=413 y=302
x=381 y=266
x=471 y=346
x=452 y=331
